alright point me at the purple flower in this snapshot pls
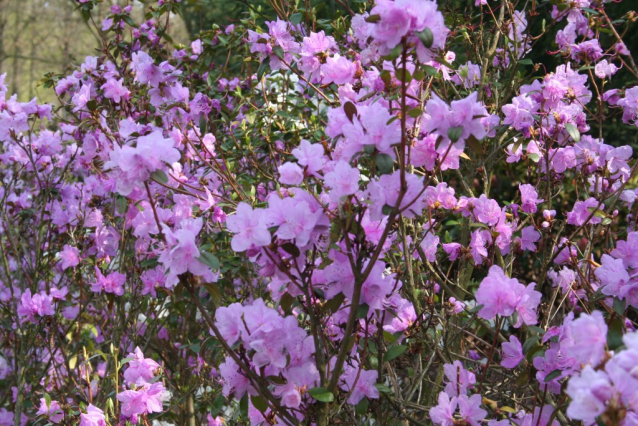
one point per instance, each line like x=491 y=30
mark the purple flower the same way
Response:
x=512 y=353
x=497 y=294
x=529 y=198
x=589 y=392
x=249 y=227
x=588 y=337
x=583 y=210
x=93 y=417
x=69 y=257
x=343 y=180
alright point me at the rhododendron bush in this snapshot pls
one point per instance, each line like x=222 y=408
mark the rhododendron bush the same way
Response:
x=392 y=217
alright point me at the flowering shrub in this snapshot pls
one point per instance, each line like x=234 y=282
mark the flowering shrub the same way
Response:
x=393 y=217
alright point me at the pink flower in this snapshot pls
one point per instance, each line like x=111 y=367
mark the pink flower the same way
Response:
x=497 y=295
x=589 y=391
x=140 y=370
x=529 y=198
x=112 y=283
x=39 y=305
x=114 y=89
x=133 y=402
x=459 y=380
x=364 y=386
x=249 y=227
x=290 y=174
x=343 y=180
x=588 y=336
x=310 y=156
x=394 y=23
x=93 y=417
x=529 y=237
x=81 y=97
x=443 y=413
x=217 y=421
x=69 y=257
x=182 y=254
x=429 y=246
x=470 y=409
x=583 y=210
x=338 y=70
x=53 y=412
x=512 y=353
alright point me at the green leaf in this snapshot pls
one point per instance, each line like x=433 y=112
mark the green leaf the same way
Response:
x=403 y=75
x=243 y=406
x=415 y=112
x=92 y=105
x=387 y=209
x=426 y=36
x=362 y=407
x=573 y=132
x=321 y=394
x=373 y=19
x=474 y=144
x=291 y=249
x=121 y=204
x=454 y=133
x=279 y=51
x=551 y=376
x=286 y=302
x=526 y=62
x=362 y=310
x=614 y=335
x=394 y=352
x=534 y=157
x=47 y=399
x=261 y=70
x=389 y=337
x=259 y=403
x=384 y=162
x=209 y=259
x=214 y=292
x=129 y=21
x=620 y=306
x=334 y=304
x=203 y=124
x=159 y=176
x=430 y=70
x=295 y=18
x=383 y=388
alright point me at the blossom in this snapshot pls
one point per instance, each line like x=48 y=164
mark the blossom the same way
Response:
x=338 y=70
x=589 y=391
x=112 y=283
x=114 y=89
x=583 y=210
x=38 y=305
x=249 y=227
x=93 y=417
x=342 y=180
x=529 y=198
x=69 y=257
x=364 y=386
x=443 y=413
x=497 y=294
x=290 y=174
x=140 y=370
x=512 y=353
x=588 y=337
x=53 y=411
x=529 y=237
